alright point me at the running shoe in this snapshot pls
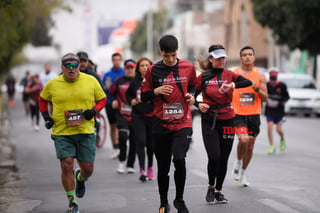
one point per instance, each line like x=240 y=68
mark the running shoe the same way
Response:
x=121 y=168
x=115 y=154
x=236 y=170
x=143 y=176
x=164 y=208
x=36 y=128
x=180 y=206
x=80 y=185
x=271 y=150
x=73 y=208
x=150 y=173
x=210 y=195
x=243 y=181
x=131 y=170
x=282 y=146
x=220 y=199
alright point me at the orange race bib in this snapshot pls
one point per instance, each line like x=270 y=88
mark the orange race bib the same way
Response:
x=73 y=117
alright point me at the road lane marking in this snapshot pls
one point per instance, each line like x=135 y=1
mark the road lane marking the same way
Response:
x=278 y=206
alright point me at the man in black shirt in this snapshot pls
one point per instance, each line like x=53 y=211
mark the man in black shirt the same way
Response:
x=277 y=96
x=168 y=83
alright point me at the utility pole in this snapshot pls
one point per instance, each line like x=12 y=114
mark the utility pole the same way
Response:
x=150 y=32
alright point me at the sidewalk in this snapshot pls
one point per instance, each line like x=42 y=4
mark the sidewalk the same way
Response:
x=10 y=187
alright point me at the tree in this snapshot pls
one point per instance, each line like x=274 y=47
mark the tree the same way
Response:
x=138 y=38
x=24 y=21
x=294 y=23
x=15 y=31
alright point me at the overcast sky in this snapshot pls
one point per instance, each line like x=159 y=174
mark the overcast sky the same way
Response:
x=78 y=30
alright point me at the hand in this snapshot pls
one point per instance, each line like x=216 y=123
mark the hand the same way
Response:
x=163 y=90
x=189 y=98
x=225 y=88
x=48 y=120
x=203 y=107
x=90 y=113
x=254 y=85
x=134 y=102
x=49 y=123
x=114 y=104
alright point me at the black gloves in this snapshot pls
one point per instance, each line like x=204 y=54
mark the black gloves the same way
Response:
x=48 y=120
x=90 y=113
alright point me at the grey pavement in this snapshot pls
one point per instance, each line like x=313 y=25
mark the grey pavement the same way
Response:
x=284 y=182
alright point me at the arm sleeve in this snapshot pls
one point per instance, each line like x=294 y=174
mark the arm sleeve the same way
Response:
x=242 y=82
x=286 y=96
x=147 y=96
x=147 y=93
x=100 y=104
x=130 y=93
x=43 y=105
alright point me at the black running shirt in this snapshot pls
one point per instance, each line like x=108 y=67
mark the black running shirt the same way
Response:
x=118 y=91
x=171 y=112
x=277 y=96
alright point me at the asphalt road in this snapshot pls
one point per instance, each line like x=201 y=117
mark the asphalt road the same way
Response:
x=285 y=182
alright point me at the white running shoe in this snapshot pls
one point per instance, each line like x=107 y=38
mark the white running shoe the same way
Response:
x=243 y=181
x=236 y=171
x=115 y=154
x=131 y=170
x=36 y=128
x=121 y=168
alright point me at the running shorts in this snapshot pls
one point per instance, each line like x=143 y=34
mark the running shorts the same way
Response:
x=252 y=122
x=81 y=146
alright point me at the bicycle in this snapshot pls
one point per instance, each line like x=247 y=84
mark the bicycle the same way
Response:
x=100 y=129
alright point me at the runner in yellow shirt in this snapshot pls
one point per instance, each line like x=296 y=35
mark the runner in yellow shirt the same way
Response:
x=76 y=98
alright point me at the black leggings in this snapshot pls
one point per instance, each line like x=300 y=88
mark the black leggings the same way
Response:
x=142 y=129
x=218 y=143
x=125 y=133
x=174 y=144
x=35 y=113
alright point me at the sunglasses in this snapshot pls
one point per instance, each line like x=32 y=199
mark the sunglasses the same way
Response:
x=70 y=65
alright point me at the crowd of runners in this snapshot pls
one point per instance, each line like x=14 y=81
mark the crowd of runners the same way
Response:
x=149 y=109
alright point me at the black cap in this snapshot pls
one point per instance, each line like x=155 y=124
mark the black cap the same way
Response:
x=83 y=55
x=129 y=62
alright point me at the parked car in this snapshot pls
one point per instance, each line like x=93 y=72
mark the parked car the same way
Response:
x=304 y=95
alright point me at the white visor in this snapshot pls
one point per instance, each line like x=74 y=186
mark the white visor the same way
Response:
x=218 y=53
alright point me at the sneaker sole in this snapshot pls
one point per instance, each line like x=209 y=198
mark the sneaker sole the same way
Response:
x=221 y=202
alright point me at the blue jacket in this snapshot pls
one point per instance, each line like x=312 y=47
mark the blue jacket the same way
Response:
x=111 y=76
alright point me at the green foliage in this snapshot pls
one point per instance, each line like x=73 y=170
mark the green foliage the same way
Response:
x=293 y=22
x=15 y=31
x=24 y=21
x=138 y=39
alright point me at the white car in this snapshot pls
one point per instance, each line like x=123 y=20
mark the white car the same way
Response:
x=304 y=96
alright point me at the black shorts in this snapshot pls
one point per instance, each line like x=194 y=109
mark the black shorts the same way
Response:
x=111 y=114
x=25 y=96
x=252 y=122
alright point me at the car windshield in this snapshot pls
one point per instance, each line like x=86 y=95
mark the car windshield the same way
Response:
x=299 y=83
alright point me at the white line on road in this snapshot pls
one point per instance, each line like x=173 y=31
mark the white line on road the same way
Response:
x=278 y=206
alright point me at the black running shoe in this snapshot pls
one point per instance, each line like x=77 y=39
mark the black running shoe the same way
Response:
x=220 y=198
x=73 y=208
x=164 y=208
x=80 y=185
x=210 y=195
x=180 y=206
